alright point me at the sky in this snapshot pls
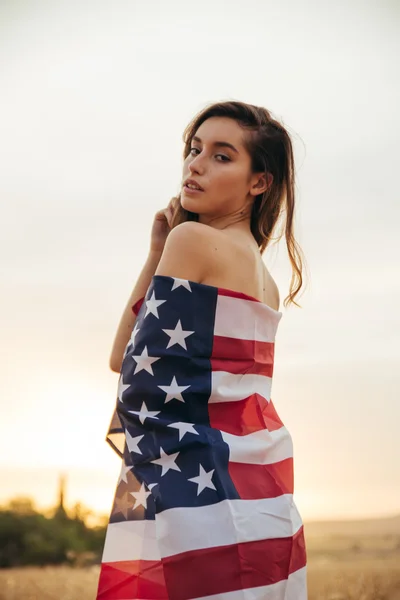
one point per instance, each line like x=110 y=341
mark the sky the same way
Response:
x=94 y=100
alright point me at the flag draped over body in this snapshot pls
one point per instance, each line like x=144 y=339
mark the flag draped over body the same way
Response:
x=204 y=503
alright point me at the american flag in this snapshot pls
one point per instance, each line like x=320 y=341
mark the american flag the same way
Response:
x=204 y=503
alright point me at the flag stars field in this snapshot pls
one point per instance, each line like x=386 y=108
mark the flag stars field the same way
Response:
x=183 y=428
x=140 y=497
x=144 y=413
x=122 y=504
x=133 y=442
x=167 y=461
x=152 y=306
x=144 y=362
x=121 y=388
x=177 y=335
x=203 y=480
x=181 y=283
x=134 y=333
x=124 y=471
x=174 y=391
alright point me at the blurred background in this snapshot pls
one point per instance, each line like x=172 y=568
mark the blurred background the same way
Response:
x=94 y=98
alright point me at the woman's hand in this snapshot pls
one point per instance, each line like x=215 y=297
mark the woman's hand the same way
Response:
x=162 y=226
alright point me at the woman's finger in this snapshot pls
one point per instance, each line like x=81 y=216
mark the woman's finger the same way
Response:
x=169 y=216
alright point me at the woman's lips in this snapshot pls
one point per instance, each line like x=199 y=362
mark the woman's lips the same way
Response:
x=192 y=190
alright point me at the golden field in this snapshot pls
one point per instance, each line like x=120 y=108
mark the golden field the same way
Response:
x=361 y=580
x=346 y=561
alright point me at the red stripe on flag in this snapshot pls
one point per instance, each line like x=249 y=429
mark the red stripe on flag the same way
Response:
x=242 y=356
x=235 y=567
x=128 y=579
x=245 y=416
x=137 y=305
x=204 y=572
x=254 y=482
x=234 y=294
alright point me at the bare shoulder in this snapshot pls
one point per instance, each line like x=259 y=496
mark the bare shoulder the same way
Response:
x=271 y=290
x=189 y=228
x=187 y=252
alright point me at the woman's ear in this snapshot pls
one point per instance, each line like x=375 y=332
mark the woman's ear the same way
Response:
x=262 y=184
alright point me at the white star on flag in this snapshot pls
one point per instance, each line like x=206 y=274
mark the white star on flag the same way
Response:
x=167 y=462
x=181 y=282
x=135 y=330
x=144 y=414
x=203 y=480
x=132 y=442
x=144 y=362
x=121 y=388
x=140 y=497
x=183 y=428
x=152 y=306
x=177 y=335
x=174 y=390
x=123 y=474
x=127 y=348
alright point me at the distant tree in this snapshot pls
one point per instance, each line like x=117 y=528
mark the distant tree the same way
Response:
x=22 y=506
x=28 y=537
x=80 y=513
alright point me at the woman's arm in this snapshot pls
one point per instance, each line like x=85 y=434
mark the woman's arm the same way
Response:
x=188 y=254
x=128 y=317
x=159 y=233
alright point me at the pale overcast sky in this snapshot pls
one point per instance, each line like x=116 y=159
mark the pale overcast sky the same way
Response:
x=94 y=98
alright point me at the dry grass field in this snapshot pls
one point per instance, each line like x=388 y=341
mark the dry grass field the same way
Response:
x=353 y=561
x=343 y=580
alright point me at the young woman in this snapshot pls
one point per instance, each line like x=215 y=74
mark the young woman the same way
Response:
x=204 y=503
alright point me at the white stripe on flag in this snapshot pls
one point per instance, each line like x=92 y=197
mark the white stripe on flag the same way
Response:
x=237 y=521
x=227 y=387
x=245 y=319
x=293 y=588
x=262 y=447
x=131 y=540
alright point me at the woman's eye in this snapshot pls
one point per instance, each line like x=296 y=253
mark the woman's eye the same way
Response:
x=225 y=158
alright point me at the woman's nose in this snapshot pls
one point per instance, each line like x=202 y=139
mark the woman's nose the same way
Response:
x=196 y=165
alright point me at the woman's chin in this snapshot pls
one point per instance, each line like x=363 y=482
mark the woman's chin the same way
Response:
x=189 y=204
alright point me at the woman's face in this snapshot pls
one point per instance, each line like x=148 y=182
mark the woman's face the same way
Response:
x=223 y=172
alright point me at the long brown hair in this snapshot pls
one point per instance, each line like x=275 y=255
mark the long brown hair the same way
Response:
x=270 y=148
